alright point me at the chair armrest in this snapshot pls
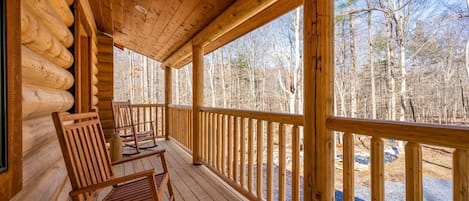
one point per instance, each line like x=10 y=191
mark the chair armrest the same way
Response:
x=111 y=182
x=157 y=152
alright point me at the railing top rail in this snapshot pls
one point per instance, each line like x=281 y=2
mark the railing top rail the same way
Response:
x=147 y=104
x=432 y=134
x=294 y=119
x=180 y=106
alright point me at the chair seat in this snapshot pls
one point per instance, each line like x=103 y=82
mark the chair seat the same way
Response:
x=138 y=190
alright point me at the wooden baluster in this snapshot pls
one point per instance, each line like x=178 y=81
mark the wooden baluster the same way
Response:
x=218 y=142
x=460 y=175
x=235 y=149
x=377 y=169
x=413 y=171
x=296 y=163
x=206 y=130
x=138 y=119
x=223 y=143
x=250 y=154
x=349 y=166
x=144 y=117
x=202 y=134
x=282 y=161
x=242 y=154
x=211 y=144
x=260 y=152
x=230 y=146
x=270 y=162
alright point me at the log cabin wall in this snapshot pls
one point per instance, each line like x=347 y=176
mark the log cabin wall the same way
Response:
x=105 y=85
x=47 y=56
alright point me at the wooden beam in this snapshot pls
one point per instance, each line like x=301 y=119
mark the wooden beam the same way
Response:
x=442 y=135
x=167 y=97
x=318 y=99
x=274 y=11
x=197 y=99
x=233 y=16
x=11 y=181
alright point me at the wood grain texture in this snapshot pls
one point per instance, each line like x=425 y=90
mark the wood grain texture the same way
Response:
x=274 y=11
x=40 y=101
x=349 y=167
x=47 y=16
x=265 y=116
x=318 y=98
x=167 y=97
x=442 y=135
x=377 y=169
x=42 y=72
x=234 y=15
x=11 y=181
x=461 y=175
x=39 y=39
x=413 y=171
x=62 y=9
x=197 y=98
x=105 y=79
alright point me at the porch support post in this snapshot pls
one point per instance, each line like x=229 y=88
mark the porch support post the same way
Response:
x=168 y=99
x=318 y=99
x=197 y=98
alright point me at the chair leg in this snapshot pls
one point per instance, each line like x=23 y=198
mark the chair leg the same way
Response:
x=170 y=189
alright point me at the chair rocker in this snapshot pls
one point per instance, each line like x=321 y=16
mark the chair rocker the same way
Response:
x=90 y=169
x=126 y=127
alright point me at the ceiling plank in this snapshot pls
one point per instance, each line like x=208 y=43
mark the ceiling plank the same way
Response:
x=236 y=14
x=183 y=55
x=202 y=15
x=117 y=14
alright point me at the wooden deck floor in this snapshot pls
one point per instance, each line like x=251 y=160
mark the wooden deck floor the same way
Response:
x=189 y=182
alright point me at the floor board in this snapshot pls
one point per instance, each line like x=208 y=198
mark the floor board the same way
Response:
x=190 y=183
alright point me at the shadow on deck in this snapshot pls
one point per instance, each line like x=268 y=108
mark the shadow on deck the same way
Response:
x=190 y=182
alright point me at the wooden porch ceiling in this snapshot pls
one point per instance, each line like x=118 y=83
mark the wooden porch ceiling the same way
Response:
x=165 y=29
x=154 y=28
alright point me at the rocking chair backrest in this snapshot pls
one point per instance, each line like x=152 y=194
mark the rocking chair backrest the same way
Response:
x=122 y=114
x=84 y=149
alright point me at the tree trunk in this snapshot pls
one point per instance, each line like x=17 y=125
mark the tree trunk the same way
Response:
x=371 y=63
x=353 y=67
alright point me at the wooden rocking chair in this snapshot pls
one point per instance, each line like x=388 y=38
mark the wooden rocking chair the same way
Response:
x=125 y=126
x=89 y=167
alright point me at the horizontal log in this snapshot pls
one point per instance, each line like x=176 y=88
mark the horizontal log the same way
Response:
x=42 y=72
x=62 y=9
x=94 y=79
x=94 y=69
x=94 y=90
x=266 y=116
x=94 y=100
x=37 y=162
x=94 y=59
x=432 y=134
x=40 y=40
x=46 y=15
x=40 y=101
x=46 y=186
x=36 y=132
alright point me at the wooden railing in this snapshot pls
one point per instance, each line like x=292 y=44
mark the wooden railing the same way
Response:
x=180 y=125
x=415 y=135
x=245 y=148
x=150 y=112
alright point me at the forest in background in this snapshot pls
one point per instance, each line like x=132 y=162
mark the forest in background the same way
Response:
x=401 y=60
